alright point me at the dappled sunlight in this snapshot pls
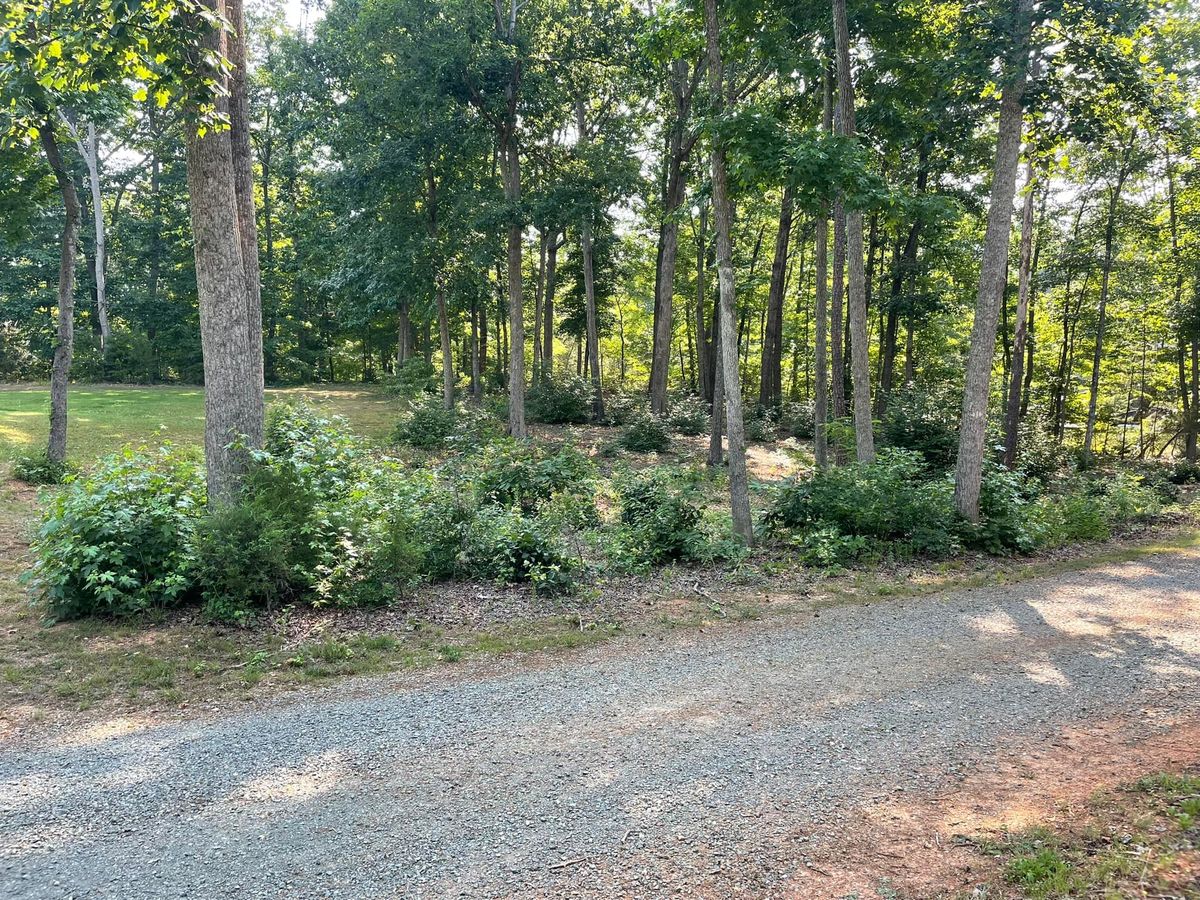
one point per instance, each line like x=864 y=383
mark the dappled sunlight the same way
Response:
x=1045 y=672
x=99 y=732
x=317 y=775
x=996 y=623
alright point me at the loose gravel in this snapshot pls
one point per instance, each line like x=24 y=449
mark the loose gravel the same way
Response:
x=702 y=763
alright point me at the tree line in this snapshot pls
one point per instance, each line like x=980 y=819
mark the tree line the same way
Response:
x=992 y=204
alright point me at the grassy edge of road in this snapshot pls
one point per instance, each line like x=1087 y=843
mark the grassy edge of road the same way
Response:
x=176 y=660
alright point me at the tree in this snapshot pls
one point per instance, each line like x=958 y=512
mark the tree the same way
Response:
x=968 y=472
x=727 y=338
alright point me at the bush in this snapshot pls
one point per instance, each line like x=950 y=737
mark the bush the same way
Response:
x=915 y=420
x=1007 y=520
x=797 y=420
x=38 y=468
x=689 y=415
x=506 y=546
x=621 y=409
x=427 y=426
x=413 y=378
x=1184 y=472
x=513 y=474
x=242 y=562
x=760 y=426
x=645 y=434
x=562 y=400
x=883 y=500
x=828 y=548
x=660 y=522
x=119 y=541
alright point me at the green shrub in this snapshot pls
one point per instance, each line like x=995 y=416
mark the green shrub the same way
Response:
x=38 y=468
x=828 y=548
x=1071 y=517
x=515 y=474
x=689 y=415
x=1007 y=521
x=413 y=378
x=427 y=426
x=884 y=500
x=760 y=426
x=1041 y=455
x=119 y=541
x=621 y=409
x=915 y=420
x=645 y=434
x=1184 y=472
x=242 y=562
x=561 y=400
x=796 y=420
x=506 y=546
x=660 y=521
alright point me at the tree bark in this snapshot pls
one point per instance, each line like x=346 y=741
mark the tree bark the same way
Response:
x=589 y=291
x=243 y=180
x=1110 y=230
x=233 y=396
x=770 y=383
x=548 y=304
x=968 y=473
x=821 y=401
x=60 y=368
x=860 y=362
x=88 y=145
x=705 y=365
x=739 y=491
x=1012 y=417
x=516 y=312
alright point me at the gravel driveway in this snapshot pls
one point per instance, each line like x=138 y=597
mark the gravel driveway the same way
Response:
x=638 y=768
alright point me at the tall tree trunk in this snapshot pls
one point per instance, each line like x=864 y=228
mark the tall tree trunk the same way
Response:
x=243 y=178
x=968 y=472
x=589 y=293
x=447 y=352
x=88 y=145
x=1110 y=230
x=233 y=395
x=1012 y=417
x=860 y=362
x=770 y=384
x=516 y=311
x=1189 y=412
x=716 y=427
x=548 y=304
x=60 y=368
x=539 y=293
x=837 y=317
x=704 y=358
x=821 y=403
x=739 y=489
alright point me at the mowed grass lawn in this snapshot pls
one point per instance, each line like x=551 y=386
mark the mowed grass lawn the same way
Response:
x=103 y=418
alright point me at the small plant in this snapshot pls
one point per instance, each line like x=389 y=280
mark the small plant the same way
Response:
x=38 y=468
x=413 y=378
x=1042 y=874
x=796 y=420
x=506 y=546
x=660 y=521
x=512 y=474
x=1184 y=472
x=645 y=434
x=689 y=415
x=928 y=424
x=761 y=426
x=828 y=548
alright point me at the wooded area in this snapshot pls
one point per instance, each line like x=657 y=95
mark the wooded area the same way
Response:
x=635 y=196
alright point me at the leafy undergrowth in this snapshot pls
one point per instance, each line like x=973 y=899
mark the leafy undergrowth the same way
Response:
x=1138 y=841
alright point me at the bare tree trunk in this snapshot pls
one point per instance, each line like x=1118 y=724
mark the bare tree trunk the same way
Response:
x=539 y=292
x=716 y=428
x=548 y=304
x=447 y=352
x=860 y=362
x=233 y=396
x=243 y=175
x=88 y=145
x=968 y=473
x=739 y=492
x=589 y=291
x=1102 y=310
x=704 y=359
x=516 y=311
x=60 y=368
x=770 y=383
x=821 y=403
x=1012 y=417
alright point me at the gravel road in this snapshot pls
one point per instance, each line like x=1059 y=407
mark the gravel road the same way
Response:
x=704 y=763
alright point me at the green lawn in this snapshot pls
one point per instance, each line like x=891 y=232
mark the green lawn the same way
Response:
x=105 y=417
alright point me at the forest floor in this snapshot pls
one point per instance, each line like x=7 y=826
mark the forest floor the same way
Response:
x=900 y=749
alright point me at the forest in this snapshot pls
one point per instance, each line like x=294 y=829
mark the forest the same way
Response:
x=930 y=238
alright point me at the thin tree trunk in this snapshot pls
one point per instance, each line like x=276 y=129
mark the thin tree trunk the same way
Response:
x=968 y=473
x=516 y=312
x=860 y=362
x=739 y=492
x=1012 y=418
x=60 y=368
x=88 y=145
x=704 y=359
x=539 y=293
x=548 y=304
x=821 y=403
x=589 y=291
x=1110 y=228
x=447 y=352
x=716 y=431
x=233 y=395
x=770 y=384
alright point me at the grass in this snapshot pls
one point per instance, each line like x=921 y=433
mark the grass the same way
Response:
x=103 y=418
x=1141 y=840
